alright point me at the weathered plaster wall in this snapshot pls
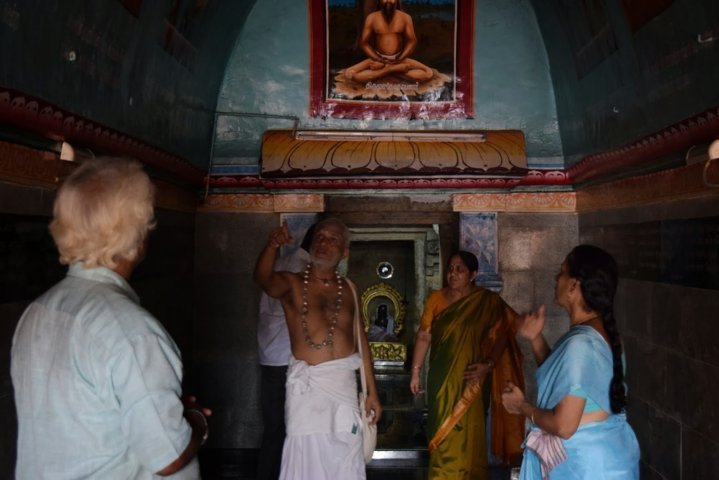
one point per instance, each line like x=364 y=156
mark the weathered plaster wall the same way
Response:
x=24 y=250
x=530 y=249
x=227 y=305
x=29 y=266
x=659 y=74
x=153 y=74
x=667 y=305
x=268 y=73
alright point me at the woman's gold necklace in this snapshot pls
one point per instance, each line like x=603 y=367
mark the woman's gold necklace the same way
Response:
x=305 y=308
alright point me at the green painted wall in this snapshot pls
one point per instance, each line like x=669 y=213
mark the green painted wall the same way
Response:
x=657 y=74
x=153 y=73
x=268 y=73
x=575 y=86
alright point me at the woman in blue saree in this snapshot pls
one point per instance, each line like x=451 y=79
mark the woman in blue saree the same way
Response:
x=578 y=427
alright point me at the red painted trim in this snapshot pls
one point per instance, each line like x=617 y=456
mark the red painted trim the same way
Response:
x=44 y=118
x=318 y=58
x=465 y=50
x=33 y=114
x=679 y=137
x=534 y=177
x=386 y=183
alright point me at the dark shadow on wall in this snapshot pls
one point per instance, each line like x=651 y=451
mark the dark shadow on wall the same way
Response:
x=29 y=266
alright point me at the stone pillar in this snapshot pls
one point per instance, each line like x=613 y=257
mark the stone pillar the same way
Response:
x=478 y=235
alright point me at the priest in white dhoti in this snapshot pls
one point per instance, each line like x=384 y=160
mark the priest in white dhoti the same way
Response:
x=324 y=436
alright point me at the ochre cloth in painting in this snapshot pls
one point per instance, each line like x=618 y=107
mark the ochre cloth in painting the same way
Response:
x=462 y=334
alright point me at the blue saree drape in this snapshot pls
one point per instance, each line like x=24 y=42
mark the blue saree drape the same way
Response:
x=606 y=450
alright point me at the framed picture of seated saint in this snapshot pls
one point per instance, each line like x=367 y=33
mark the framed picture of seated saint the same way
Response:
x=386 y=59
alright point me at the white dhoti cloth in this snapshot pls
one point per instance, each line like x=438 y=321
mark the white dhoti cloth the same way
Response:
x=324 y=438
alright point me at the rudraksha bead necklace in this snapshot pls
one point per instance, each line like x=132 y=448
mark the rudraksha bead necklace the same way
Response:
x=305 y=308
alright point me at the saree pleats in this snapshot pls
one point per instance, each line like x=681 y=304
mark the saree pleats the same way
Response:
x=464 y=334
x=606 y=450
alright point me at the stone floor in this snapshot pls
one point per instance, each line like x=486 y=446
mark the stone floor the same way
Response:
x=495 y=473
x=241 y=464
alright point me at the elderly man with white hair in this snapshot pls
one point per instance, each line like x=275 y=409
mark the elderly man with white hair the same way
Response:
x=97 y=379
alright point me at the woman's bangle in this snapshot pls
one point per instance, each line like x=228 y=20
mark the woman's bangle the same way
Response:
x=531 y=416
x=204 y=422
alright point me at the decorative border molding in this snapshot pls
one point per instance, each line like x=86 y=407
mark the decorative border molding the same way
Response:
x=543 y=202
x=33 y=114
x=308 y=203
x=29 y=166
x=533 y=178
x=233 y=181
x=668 y=185
x=389 y=183
x=36 y=115
x=315 y=154
x=42 y=169
x=264 y=203
x=697 y=129
x=257 y=203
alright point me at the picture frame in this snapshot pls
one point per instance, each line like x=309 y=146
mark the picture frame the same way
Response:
x=339 y=66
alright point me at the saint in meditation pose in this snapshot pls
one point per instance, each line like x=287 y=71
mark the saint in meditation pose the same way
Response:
x=388 y=39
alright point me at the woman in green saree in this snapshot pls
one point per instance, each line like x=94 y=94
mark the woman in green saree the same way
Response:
x=471 y=334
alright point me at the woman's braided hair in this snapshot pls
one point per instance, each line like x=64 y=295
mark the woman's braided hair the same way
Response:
x=596 y=271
